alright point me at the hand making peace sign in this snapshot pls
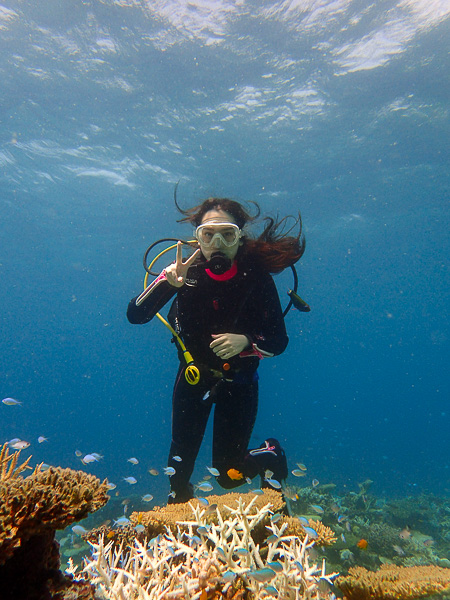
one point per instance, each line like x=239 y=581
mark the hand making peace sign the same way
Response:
x=176 y=272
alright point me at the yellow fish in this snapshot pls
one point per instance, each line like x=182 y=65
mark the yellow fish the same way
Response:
x=235 y=474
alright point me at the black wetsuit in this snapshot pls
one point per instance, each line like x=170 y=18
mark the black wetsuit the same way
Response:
x=247 y=303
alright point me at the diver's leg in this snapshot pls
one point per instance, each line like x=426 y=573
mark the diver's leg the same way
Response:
x=234 y=418
x=189 y=418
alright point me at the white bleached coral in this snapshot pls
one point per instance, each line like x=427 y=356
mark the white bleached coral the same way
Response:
x=205 y=560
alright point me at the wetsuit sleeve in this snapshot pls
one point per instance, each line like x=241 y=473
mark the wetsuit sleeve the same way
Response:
x=267 y=335
x=152 y=304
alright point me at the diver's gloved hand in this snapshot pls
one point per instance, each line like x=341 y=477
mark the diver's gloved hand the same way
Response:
x=176 y=272
x=227 y=345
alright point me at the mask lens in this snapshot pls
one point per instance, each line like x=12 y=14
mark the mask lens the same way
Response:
x=226 y=233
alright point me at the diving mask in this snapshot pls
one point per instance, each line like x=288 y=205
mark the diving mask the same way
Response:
x=208 y=234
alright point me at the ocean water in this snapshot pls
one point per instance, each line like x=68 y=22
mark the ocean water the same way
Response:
x=338 y=109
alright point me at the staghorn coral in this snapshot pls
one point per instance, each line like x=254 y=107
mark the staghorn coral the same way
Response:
x=391 y=582
x=32 y=508
x=8 y=464
x=210 y=558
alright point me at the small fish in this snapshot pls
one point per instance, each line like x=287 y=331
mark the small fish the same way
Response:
x=311 y=533
x=275 y=518
x=130 y=480
x=248 y=480
x=343 y=538
x=203 y=501
x=172 y=495
x=11 y=402
x=341 y=518
x=290 y=492
x=276 y=566
x=303 y=521
x=301 y=466
x=139 y=528
x=111 y=486
x=399 y=550
x=213 y=471
x=147 y=498
x=261 y=575
x=45 y=467
x=274 y=483
x=133 y=461
x=271 y=591
x=242 y=552
x=211 y=509
x=362 y=544
x=89 y=458
x=202 y=530
x=428 y=542
x=298 y=473
x=404 y=534
x=96 y=455
x=235 y=474
x=257 y=491
x=272 y=539
x=20 y=445
x=153 y=472
x=78 y=453
x=228 y=576
x=177 y=458
x=318 y=509
x=41 y=439
x=204 y=486
x=268 y=474
x=315 y=483
x=169 y=471
x=79 y=530
x=122 y=521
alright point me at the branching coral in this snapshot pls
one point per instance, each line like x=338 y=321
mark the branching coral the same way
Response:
x=8 y=464
x=394 y=583
x=210 y=558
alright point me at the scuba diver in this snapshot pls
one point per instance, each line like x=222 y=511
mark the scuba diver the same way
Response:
x=226 y=317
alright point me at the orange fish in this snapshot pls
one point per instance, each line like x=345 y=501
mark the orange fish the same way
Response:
x=404 y=534
x=235 y=474
x=362 y=544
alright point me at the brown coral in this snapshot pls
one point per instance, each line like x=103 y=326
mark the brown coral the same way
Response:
x=31 y=509
x=391 y=582
x=159 y=518
x=51 y=499
x=325 y=535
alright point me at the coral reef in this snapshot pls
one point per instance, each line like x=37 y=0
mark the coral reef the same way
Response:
x=157 y=520
x=392 y=582
x=32 y=508
x=211 y=557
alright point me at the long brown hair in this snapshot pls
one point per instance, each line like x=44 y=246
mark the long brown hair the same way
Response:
x=274 y=248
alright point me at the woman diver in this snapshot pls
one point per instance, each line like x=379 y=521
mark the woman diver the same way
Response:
x=227 y=312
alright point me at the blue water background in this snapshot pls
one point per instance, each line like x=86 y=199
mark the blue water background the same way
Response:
x=339 y=110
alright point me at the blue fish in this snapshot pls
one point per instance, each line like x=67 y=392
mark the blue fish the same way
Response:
x=276 y=566
x=312 y=534
x=11 y=402
x=262 y=575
